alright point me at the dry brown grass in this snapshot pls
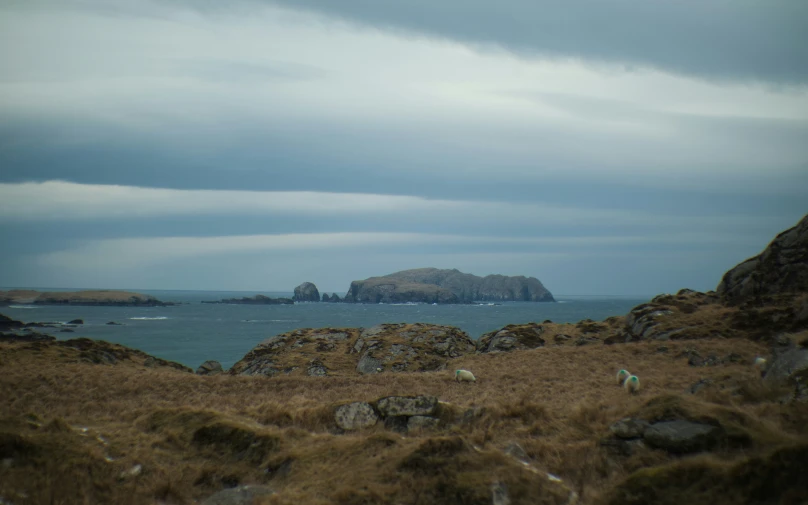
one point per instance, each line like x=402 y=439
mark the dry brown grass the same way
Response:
x=195 y=435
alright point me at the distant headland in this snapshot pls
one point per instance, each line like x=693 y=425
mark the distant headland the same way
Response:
x=104 y=297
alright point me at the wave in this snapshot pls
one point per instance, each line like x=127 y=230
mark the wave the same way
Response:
x=159 y=318
x=271 y=320
x=23 y=307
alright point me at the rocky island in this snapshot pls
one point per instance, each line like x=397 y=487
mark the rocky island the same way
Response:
x=107 y=298
x=432 y=285
x=254 y=300
x=374 y=415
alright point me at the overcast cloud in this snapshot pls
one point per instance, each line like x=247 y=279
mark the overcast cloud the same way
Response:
x=605 y=147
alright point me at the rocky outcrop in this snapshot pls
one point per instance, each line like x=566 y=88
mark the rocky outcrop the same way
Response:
x=255 y=300
x=106 y=298
x=306 y=292
x=683 y=437
x=789 y=367
x=210 y=367
x=431 y=285
x=781 y=268
x=415 y=347
x=512 y=337
x=348 y=351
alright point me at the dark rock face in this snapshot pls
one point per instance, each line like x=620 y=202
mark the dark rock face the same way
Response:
x=781 y=268
x=255 y=300
x=210 y=367
x=431 y=285
x=512 y=337
x=306 y=292
x=790 y=366
x=6 y=323
x=683 y=436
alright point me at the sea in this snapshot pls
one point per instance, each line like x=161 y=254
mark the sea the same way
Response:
x=192 y=332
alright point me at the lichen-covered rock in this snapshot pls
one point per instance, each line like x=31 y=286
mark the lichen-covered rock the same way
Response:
x=781 y=268
x=210 y=367
x=407 y=406
x=306 y=292
x=355 y=416
x=512 y=337
x=681 y=436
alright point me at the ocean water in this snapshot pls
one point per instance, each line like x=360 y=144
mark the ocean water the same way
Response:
x=194 y=332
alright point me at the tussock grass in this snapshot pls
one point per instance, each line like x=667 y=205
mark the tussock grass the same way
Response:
x=195 y=435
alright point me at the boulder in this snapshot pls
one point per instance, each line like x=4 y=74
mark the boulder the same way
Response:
x=210 y=367
x=629 y=428
x=512 y=337
x=240 y=495
x=407 y=406
x=781 y=268
x=306 y=292
x=76 y=321
x=355 y=416
x=683 y=436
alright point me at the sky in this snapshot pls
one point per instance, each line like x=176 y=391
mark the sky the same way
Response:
x=605 y=147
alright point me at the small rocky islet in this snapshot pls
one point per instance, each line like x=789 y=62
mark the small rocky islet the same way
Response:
x=373 y=415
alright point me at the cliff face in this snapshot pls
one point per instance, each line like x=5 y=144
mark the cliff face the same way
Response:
x=432 y=285
x=781 y=268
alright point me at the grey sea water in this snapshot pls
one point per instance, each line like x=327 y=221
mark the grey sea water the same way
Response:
x=194 y=332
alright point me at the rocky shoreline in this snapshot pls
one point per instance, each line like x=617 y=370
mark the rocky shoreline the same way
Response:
x=100 y=298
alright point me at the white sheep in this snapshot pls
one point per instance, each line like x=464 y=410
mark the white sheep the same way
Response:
x=632 y=384
x=622 y=375
x=464 y=375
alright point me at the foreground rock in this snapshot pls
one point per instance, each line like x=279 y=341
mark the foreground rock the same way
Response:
x=355 y=416
x=781 y=268
x=109 y=298
x=306 y=292
x=683 y=436
x=254 y=300
x=431 y=285
x=348 y=351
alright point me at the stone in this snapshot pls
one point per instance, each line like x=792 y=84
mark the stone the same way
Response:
x=790 y=366
x=407 y=406
x=416 y=423
x=355 y=416
x=210 y=367
x=683 y=437
x=76 y=321
x=240 y=495
x=306 y=292
x=629 y=428
x=113 y=323
x=150 y=362
x=130 y=473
